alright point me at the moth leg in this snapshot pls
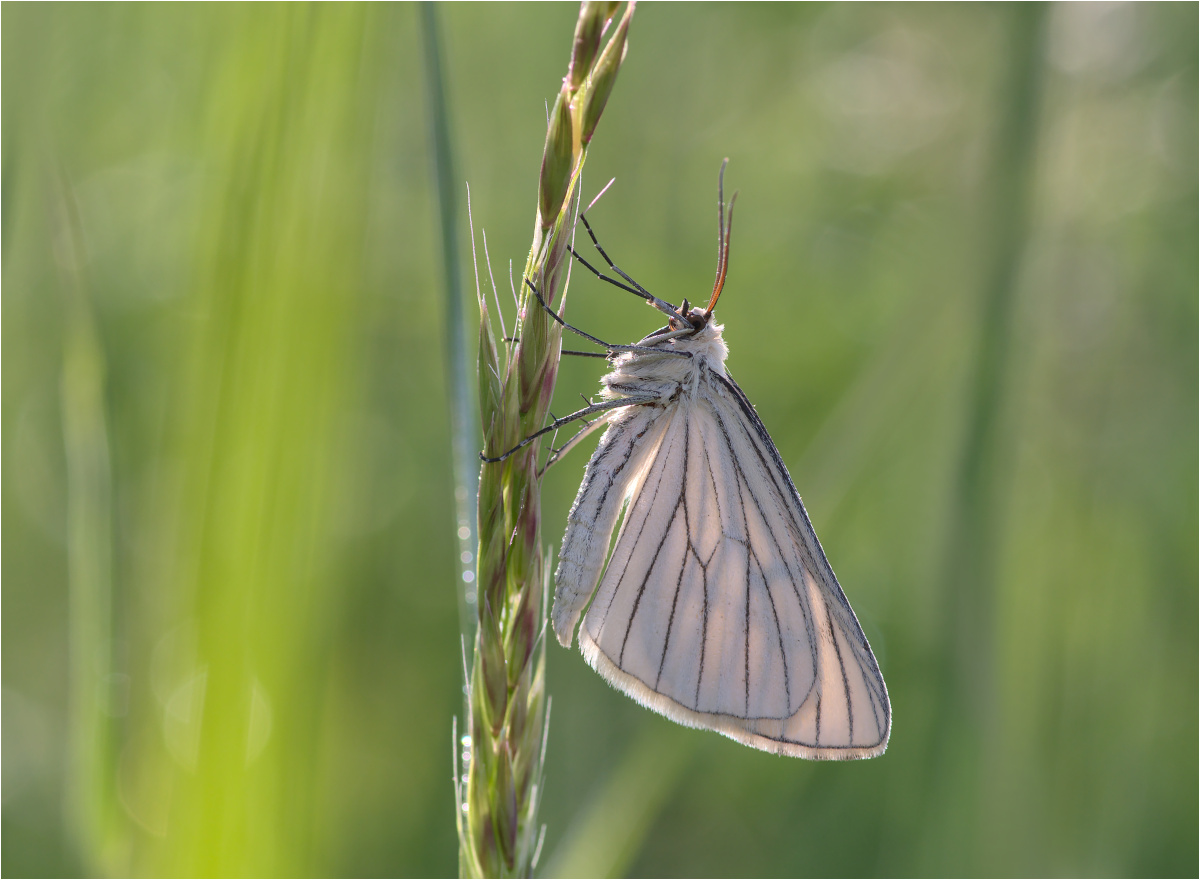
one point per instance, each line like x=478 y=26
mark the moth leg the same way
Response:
x=582 y=354
x=580 y=435
x=608 y=345
x=637 y=290
x=555 y=424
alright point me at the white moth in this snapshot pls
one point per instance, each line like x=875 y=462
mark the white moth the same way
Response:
x=717 y=607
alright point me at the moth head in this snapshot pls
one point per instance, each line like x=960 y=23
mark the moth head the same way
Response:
x=695 y=318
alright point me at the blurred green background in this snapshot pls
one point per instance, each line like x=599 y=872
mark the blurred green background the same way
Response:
x=963 y=296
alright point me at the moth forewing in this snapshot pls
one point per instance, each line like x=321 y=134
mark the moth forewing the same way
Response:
x=629 y=442
x=717 y=607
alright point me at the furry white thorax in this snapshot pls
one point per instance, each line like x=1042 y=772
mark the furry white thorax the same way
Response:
x=667 y=374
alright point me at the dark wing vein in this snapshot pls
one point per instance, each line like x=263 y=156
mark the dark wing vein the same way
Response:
x=634 y=507
x=793 y=578
x=645 y=580
x=777 y=473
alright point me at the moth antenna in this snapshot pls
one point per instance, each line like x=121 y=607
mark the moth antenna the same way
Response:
x=726 y=231
x=721 y=216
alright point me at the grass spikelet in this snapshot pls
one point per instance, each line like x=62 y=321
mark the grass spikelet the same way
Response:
x=503 y=753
